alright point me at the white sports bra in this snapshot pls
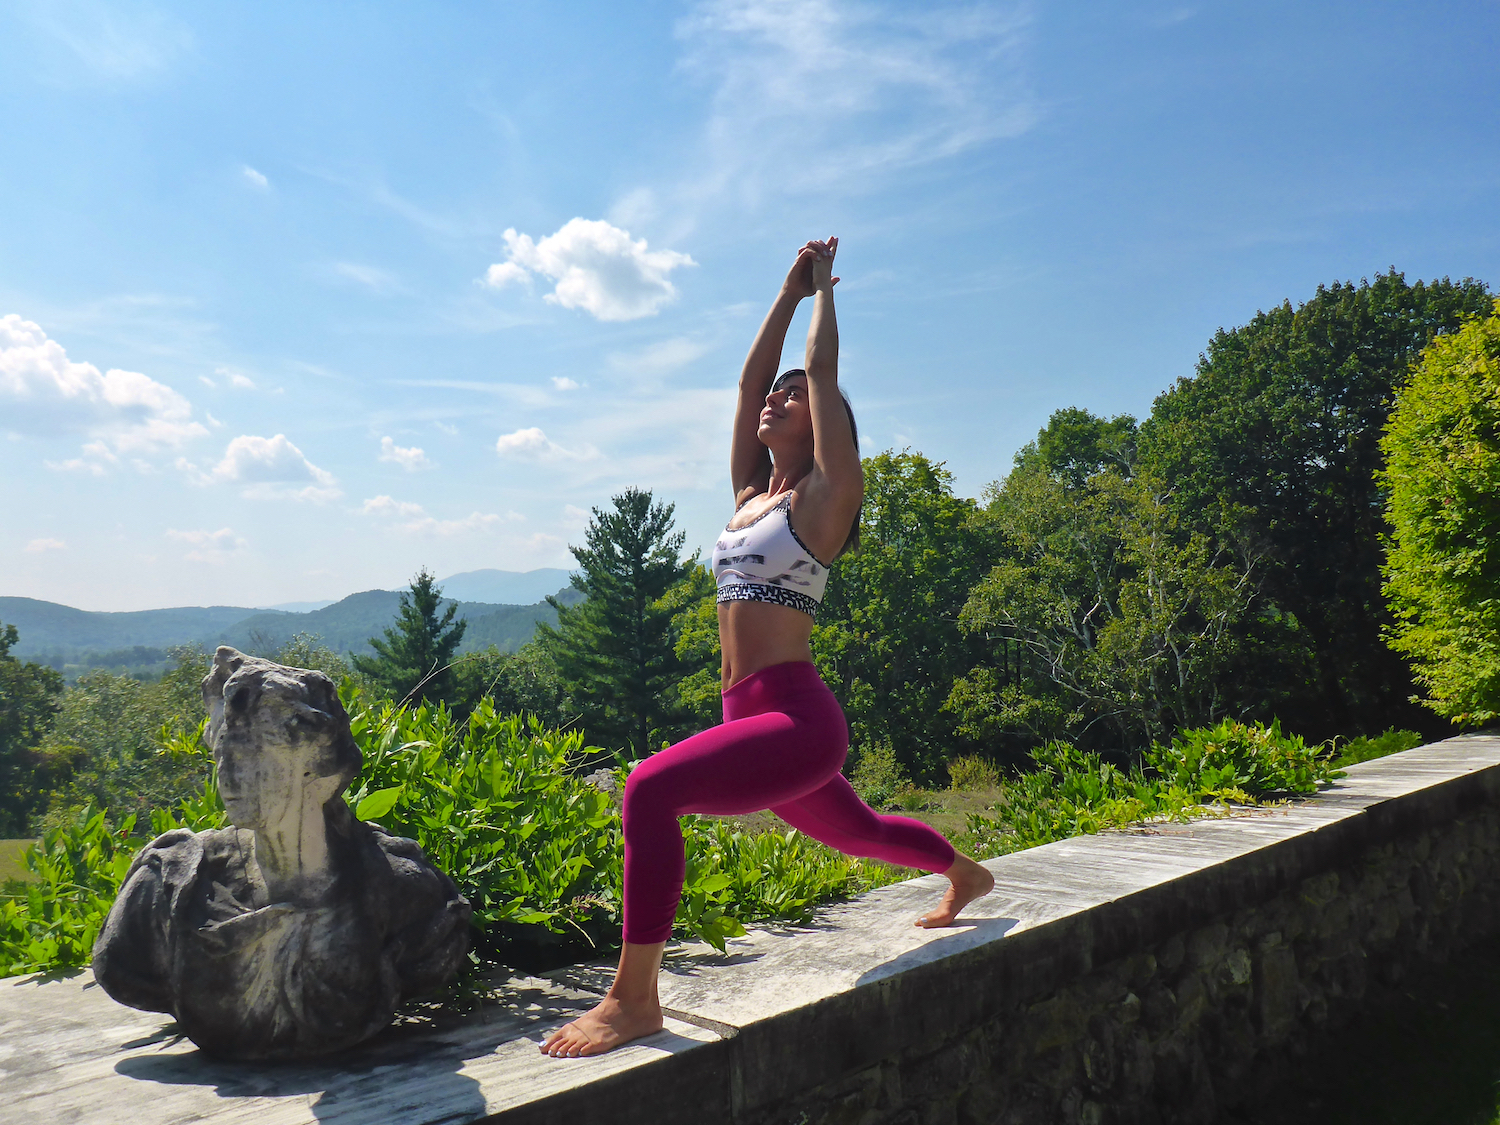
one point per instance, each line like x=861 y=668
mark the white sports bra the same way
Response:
x=765 y=561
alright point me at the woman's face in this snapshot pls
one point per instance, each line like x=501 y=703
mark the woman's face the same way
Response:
x=786 y=414
x=267 y=755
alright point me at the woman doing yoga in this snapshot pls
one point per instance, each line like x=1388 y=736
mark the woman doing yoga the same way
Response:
x=798 y=485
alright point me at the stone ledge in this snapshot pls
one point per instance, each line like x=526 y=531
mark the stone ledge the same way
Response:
x=784 y=1011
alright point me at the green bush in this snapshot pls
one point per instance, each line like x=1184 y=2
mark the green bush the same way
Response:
x=495 y=801
x=972 y=772
x=1442 y=476
x=1236 y=759
x=878 y=774
x=1365 y=749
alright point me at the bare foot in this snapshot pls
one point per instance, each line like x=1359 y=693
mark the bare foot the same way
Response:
x=968 y=881
x=607 y=1025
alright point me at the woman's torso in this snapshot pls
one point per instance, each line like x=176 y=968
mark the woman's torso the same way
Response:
x=755 y=634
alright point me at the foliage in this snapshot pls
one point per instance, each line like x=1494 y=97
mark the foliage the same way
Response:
x=1442 y=574
x=971 y=771
x=695 y=625
x=28 y=707
x=413 y=661
x=525 y=682
x=1235 y=757
x=1070 y=792
x=877 y=774
x=105 y=741
x=1273 y=444
x=1124 y=617
x=887 y=638
x=615 y=652
x=307 y=650
x=1366 y=749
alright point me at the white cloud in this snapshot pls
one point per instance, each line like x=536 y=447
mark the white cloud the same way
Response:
x=596 y=267
x=418 y=522
x=897 y=85
x=209 y=546
x=563 y=383
x=533 y=445
x=409 y=458
x=270 y=469
x=43 y=392
x=38 y=546
x=256 y=179
x=663 y=356
x=236 y=378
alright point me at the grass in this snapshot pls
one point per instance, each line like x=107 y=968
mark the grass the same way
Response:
x=11 y=866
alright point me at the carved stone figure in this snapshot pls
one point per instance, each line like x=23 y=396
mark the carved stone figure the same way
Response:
x=300 y=929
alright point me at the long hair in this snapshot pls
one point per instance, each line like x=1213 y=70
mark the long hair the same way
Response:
x=851 y=543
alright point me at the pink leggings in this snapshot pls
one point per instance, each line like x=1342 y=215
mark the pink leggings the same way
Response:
x=780 y=747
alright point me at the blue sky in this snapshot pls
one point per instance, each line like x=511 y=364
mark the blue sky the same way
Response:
x=299 y=298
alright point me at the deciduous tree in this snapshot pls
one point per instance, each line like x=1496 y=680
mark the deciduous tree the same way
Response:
x=1442 y=574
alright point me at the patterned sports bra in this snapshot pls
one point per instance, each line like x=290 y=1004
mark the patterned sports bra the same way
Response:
x=765 y=561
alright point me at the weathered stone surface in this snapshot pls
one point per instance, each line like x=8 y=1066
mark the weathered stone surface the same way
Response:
x=298 y=931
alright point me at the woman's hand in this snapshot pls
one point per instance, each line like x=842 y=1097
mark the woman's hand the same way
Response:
x=802 y=279
x=822 y=265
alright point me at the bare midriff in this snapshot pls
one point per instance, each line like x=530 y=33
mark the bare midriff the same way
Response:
x=756 y=635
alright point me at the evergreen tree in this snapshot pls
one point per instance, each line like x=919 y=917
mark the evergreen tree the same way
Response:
x=615 y=650
x=414 y=658
x=28 y=707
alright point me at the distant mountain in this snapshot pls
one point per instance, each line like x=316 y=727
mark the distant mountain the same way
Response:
x=503 y=587
x=299 y=607
x=62 y=636
x=47 y=626
x=348 y=625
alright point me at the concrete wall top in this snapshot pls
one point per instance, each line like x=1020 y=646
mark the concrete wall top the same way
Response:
x=780 y=1010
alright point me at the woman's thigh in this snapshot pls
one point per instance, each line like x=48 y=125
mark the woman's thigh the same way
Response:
x=740 y=766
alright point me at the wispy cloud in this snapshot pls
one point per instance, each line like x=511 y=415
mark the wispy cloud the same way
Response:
x=110 y=41
x=806 y=92
x=660 y=357
x=38 y=546
x=533 y=445
x=256 y=179
x=209 y=546
x=414 y=520
x=595 y=266
x=373 y=278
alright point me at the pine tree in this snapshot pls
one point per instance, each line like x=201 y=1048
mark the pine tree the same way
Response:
x=413 y=659
x=615 y=650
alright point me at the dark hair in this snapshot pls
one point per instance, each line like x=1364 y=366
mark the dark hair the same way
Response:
x=852 y=542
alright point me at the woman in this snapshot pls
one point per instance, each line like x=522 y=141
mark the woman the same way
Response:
x=798 y=485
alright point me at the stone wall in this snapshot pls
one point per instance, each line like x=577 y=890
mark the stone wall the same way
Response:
x=1193 y=1021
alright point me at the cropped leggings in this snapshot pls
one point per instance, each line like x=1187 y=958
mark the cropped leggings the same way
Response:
x=780 y=747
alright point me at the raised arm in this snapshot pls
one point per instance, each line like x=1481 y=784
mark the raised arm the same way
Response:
x=836 y=484
x=749 y=460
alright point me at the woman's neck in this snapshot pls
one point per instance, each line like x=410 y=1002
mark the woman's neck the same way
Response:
x=784 y=479
x=292 y=851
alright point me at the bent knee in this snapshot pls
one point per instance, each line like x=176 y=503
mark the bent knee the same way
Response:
x=649 y=789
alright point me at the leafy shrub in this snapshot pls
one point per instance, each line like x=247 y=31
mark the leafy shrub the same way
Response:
x=878 y=775
x=495 y=801
x=972 y=772
x=1072 y=792
x=1363 y=749
x=1236 y=759
x=1442 y=475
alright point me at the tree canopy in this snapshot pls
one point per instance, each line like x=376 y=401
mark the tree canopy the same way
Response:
x=615 y=651
x=28 y=707
x=1442 y=446
x=415 y=658
x=1273 y=443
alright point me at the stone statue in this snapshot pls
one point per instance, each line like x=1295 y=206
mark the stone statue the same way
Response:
x=298 y=930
